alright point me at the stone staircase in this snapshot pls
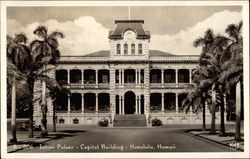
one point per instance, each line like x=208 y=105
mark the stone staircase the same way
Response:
x=130 y=120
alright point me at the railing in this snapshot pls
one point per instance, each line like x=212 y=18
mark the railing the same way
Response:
x=129 y=85
x=126 y=85
x=169 y=85
x=88 y=85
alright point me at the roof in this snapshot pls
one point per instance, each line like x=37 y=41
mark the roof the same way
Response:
x=106 y=53
x=123 y=25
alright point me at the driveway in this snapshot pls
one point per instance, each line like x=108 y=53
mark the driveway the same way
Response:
x=129 y=140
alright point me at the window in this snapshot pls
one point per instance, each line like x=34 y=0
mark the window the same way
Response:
x=133 y=49
x=140 y=49
x=75 y=121
x=125 y=48
x=61 y=121
x=118 y=49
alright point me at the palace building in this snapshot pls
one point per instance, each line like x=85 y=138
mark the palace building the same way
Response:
x=129 y=84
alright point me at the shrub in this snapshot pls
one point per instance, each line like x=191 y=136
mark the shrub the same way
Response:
x=156 y=122
x=104 y=122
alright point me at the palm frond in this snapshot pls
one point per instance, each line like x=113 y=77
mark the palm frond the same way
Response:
x=41 y=31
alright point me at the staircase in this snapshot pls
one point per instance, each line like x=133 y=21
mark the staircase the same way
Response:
x=130 y=120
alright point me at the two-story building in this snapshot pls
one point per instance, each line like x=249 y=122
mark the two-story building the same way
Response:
x=127 y=79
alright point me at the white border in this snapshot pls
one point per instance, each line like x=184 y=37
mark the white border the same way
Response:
x=244 y=4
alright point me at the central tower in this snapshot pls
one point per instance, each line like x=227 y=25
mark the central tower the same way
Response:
x=129 y=40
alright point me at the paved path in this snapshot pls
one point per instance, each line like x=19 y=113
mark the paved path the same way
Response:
x=129 y=140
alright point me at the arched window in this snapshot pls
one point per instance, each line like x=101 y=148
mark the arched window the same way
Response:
x=125 y=48
x=133 y=49
x=118 y=49
x=140 y=49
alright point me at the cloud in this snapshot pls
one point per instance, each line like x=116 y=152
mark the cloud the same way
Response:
x=182 y=42
x=83 y=35
x=86 y=35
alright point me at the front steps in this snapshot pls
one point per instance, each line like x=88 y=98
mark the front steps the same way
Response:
x=130 y=120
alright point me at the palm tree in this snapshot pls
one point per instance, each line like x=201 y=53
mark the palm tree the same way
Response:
x=232 y=69
x=57 y=89
x=198 y=93
x=196 y=100
x=207 y=81
x=46 y=46
x=18 y=56
x=206 y=42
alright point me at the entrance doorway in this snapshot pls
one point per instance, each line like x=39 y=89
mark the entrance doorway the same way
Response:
x=129 y=102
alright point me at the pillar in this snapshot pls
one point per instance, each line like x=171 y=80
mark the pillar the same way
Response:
x=82 y=77
x=162 y=102
x=139 y=76
x=139 y=104
x=96 y=102
x=162 y=76
x=123 y=112
x=190 y=76
x=96 y=77
x=82 y=102
x=68 y=103
x=176 y=76
x=68 y=71
x=136 y=77
x=136 y=105
x=176 y=103
x=120 y=104
x=122 y=76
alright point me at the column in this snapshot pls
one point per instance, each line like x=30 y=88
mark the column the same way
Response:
x=136 y=105
x=96 y=102
x=120 y=104
x=136 y=77
x=176 y=103
x=162 y=102
x=190 y=76
x=176 y=76
x=68 y=103
x=82 y=102
x=123 y=112
x=139 y=104
x=68 y=71
x=120 y=76
x=96 y=77
x=82 y=77
x=162 y=76
x=139 y=76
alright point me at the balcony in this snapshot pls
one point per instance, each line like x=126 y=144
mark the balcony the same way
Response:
x=168 y=85
x=88 y=86
x=129 y=85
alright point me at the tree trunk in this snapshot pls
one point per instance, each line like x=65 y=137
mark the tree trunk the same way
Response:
x=13 y=112
x=212 y=130
x=31 y=121
x=31 y=88
x=238 y=111
x=203 y=115
x=44 y=120
x=54 y=118
x=222 y=121
x=44 y=108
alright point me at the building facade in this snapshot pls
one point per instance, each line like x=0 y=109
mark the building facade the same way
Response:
x=127 y=79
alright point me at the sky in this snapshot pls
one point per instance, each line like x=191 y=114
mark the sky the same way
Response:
x=173 y=28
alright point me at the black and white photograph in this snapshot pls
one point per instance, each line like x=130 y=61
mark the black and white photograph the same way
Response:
x=124 y=79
